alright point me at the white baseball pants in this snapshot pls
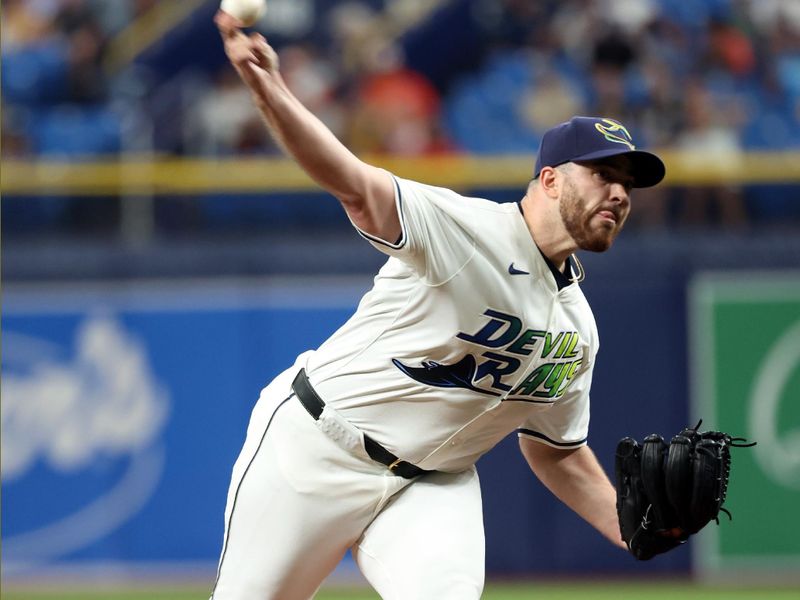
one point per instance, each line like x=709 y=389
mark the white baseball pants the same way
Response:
x=303 y=491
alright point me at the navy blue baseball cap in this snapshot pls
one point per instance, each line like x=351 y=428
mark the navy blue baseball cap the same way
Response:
x=591 y=138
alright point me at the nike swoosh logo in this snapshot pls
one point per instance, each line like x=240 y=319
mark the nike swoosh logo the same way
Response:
x=514 y=271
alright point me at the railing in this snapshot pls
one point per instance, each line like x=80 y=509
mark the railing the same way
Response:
x=142 y=174
x=137 y=179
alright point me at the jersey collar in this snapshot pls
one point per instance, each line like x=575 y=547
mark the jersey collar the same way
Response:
x=561 y=278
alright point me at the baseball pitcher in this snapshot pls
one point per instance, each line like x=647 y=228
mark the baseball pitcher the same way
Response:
x=476 y=327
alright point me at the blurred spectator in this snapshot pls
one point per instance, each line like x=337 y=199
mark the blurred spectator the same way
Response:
x=612 y=56
x=54 y=87
x=730 y=49
x=25 y=22
x=77 y=21
x=711 y=137
x=631 y=16
x=358 y=39
x=626 y=58
x=224 y=120
x=662 y=116
x=397 y=112
x=553 y=99
x=416 y=76
x=771 y=14
x=13 y=137
x=34 y=67
x=392 y=109
x=314 y=80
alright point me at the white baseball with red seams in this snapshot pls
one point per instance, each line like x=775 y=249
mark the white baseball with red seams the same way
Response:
x=246 y=11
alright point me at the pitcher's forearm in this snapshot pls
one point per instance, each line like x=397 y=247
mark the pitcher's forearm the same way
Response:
x=309 y=141
x=366 y=192
x=577 y=479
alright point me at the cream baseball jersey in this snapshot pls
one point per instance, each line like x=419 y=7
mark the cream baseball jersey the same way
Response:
x=463 y=338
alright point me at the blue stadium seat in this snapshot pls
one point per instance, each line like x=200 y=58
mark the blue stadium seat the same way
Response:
x=73 y=130
x=35 y=74
x=788 y=71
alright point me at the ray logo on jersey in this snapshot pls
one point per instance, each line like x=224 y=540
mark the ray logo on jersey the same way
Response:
x=506 y=345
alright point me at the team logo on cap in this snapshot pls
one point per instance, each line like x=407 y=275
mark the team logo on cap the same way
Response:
x=615 y=132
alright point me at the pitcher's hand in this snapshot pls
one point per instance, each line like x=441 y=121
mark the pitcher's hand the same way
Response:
x=252 y=57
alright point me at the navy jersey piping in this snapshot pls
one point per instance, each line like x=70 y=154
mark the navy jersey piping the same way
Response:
x=402 y=240
x=236 y=494
x=543 y=437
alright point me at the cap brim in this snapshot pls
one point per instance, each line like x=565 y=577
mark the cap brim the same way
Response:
x=647 y=169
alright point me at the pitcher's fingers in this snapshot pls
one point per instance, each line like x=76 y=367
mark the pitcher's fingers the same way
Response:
x=228 y=25
x=259 y=42
x=244 y=54
x=267 y=57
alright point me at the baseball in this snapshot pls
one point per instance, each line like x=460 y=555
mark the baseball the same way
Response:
x=246 y=11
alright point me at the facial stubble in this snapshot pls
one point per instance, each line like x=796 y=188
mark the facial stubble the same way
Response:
x=577 y=221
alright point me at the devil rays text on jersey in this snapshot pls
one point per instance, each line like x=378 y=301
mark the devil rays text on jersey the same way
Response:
x=556 y=360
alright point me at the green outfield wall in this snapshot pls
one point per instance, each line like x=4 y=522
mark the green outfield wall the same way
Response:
x=745 y=355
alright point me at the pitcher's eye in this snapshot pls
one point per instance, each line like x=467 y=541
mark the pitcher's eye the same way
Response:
x=609 y=176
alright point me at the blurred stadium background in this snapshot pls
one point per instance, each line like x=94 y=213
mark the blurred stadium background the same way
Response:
x=161 y=261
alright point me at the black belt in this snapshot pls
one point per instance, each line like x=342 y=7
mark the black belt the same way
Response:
x=314 y=405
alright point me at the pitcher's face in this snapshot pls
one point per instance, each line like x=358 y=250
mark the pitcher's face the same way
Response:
x=595 y=202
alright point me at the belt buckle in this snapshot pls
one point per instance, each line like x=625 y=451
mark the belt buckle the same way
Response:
x=395 y=464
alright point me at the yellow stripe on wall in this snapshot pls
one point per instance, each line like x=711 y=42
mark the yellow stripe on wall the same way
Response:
x=191 y=176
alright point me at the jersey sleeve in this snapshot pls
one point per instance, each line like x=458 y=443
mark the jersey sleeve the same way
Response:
x=437 y=230
x=565 y=424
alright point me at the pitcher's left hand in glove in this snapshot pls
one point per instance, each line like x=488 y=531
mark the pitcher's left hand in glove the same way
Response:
x=667 y=492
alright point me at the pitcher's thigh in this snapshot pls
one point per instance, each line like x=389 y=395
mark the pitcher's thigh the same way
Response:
x=291 y=516
x=428 y=543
